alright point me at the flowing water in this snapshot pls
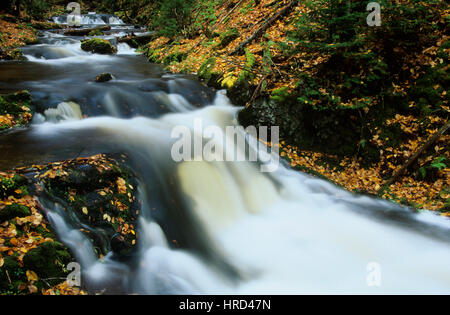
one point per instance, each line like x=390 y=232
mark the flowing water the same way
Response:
x=238 y=230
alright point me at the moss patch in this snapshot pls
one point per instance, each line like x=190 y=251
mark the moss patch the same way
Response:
x=98 y=46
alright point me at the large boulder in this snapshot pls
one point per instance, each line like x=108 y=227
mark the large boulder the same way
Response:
x=98 y=46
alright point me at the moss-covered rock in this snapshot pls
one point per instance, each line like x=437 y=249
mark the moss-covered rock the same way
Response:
x=13 y=211
x=98 y=194
x=206 y=72
x=48 y=260
x=11 y=275
x=13 y=186
x=95 y=32
x=98 y=46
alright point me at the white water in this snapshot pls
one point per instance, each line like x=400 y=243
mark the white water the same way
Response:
x=64 y=111
x=90 y=19
x=286 y=233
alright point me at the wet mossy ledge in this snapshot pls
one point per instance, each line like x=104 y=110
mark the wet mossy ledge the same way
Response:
x=98 y=46
x=95 y=195
x=16 y=110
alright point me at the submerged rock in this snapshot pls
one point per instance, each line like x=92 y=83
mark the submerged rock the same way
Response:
x=98 y=46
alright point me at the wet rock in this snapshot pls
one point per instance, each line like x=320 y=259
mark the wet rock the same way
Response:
x=98 y=46
x=104 y=77
x=95 y=32
x=119 y=244
x=100 y=195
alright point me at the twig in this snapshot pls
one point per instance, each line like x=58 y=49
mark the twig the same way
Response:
x=256 y=93
x=9 y=279
x=408 y=163
x=264 y=27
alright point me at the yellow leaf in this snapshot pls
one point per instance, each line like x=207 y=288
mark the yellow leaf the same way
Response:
x=85 y=210
x=2 y=261
x=32 y=276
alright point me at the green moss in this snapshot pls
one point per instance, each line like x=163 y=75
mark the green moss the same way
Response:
x=205 y=71
x=152 y=54
x=174 y=57
x=47 y=260
x=9 y=185
x=95 y=32
x=280 y=95
x=98 y=46
x=11 y=274
x=246 y=75
x=13 y=211
x=12 y=103
x=227 y=37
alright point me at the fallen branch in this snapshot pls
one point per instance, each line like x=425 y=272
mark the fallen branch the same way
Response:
x=257 y=91
x=264 y=27
x=411 y=160
x=229 y=13
x=139 y=39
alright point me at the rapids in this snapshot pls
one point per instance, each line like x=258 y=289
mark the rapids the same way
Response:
x=241 y=231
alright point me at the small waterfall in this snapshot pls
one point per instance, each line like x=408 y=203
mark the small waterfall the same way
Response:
x=64 y=111
x=91 y=19
x=278 y=233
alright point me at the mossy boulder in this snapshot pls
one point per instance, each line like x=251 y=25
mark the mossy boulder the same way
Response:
x=98 y=46
x=13 y=211
x=104 y=77
x=11 y=275
x=99 y=196
x=95 y=32
x=206 y=72
x=48 y=261
x=14 y=186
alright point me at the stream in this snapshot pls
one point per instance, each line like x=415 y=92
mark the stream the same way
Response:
x=242 y=231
